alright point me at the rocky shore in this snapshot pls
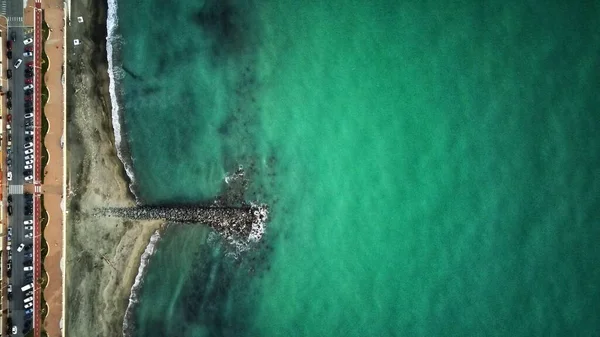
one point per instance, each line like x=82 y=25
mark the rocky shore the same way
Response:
x=102 y=254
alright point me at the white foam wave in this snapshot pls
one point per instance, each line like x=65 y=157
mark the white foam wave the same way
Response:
x=133 y=298
x=115 y=74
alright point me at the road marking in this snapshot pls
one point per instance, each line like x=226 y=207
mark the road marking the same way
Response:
x=15 y=189
x=15 y=19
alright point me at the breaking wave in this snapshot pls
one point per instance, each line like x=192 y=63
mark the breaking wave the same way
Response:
x=133 y=298
x=115 y=74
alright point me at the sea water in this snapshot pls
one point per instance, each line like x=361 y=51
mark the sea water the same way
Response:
x=432 y=168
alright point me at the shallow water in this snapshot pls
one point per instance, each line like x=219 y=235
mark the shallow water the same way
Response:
x=431 y=169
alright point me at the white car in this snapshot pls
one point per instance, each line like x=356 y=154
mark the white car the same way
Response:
x=29 y=86
x=28 y=167
x=29 y=157
x=29 y=115
x=30 y=298
x=29 y=133
x=28 y=305
x=14 y=330
x=28 y=145
x=29 y=162
x=29 y=151
x=20 y=248
x=28 y=236
x=18 y=63
x=28 y=54
x=29 y=178
x=9 y=176
x=28 y=222
x=27 y=41
x=27 y=268
x=28 y=228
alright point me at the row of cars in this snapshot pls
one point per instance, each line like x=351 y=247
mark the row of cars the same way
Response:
x=24 y=249
x=28 y=110
x=20 y=266
x=28 y=50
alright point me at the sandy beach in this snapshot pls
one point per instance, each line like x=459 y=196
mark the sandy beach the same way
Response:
x=103 y=254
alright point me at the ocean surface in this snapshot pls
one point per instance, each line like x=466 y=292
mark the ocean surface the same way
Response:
x=432 y=168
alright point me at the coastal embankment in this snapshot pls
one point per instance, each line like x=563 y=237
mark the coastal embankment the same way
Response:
x=102 y=254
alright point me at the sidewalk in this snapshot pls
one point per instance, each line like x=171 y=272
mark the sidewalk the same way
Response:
x=53 y=175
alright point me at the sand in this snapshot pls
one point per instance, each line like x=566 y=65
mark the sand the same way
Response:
x=102 y=254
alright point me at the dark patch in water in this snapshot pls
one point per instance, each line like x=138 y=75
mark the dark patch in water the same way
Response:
x=223 y=24
x=150 y=90
x=131 y=73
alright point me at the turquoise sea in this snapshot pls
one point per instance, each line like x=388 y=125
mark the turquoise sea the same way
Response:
x=432 y=167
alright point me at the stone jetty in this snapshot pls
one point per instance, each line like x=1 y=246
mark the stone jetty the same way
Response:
x=245 y=222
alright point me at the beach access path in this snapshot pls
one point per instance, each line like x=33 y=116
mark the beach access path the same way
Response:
x=52 y=187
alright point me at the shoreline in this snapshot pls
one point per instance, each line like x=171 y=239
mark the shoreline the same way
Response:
x=102 y=255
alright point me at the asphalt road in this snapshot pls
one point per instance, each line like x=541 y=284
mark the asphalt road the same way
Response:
x=17 y=156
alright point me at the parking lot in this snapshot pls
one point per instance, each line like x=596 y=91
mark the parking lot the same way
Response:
x=19 y=167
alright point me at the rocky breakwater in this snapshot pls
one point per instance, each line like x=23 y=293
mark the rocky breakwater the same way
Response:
x=245 y=222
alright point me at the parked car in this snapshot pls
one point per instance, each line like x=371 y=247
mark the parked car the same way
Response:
x=28 y=48
x=8 y=74
x=28 y=54
x=14 y=330
x=29 y=86
x=9 y=94
x=9 y=118
x=9 y=176
x=29 y=157
x=29 y=178
x=9 y=45
x=9 y=54
x=29 y=138
x=28 y=255
x=28 y=162
x=28 y=305
x=28 y=228
x=18 y=63
x=29 y=151
x=29 y=167
x=28 y=222
x=29 y=91
x=29 y=64
x=27 y=268
x=27 y=41
x=28 y=115
x=9 y=209
x=29 y=81
x=28 y=145
x=28 y=73
x=20 y=248
x=29 y=133
x=9 y=105
x=28 y=247
x=29 y=98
